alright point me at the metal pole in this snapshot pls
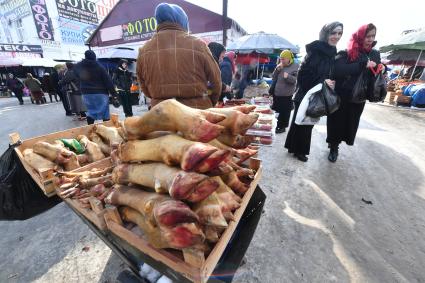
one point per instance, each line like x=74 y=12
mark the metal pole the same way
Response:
x=224 y=22
x=414 y=68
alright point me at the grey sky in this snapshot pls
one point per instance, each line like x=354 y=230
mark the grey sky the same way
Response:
x=300 y=21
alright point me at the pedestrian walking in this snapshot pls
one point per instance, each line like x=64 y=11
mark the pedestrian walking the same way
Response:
x=342 y=125
x=316 y=68
x=48 y=87
x=95 y=87
x=56 y=76
x=283 y=86
x=71 y=85
x=16 y=86
x=123 y=81
x=34 y=86
x=174 y=64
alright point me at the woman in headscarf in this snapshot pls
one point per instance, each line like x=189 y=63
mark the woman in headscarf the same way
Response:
x=174 y=64
x=316 y=68
x=342 y=125
x=227 y=69
x=284 y=80
x=218 y=51
x=95 y=86
x=71 y=86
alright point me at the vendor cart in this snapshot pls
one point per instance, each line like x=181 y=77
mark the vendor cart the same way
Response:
x=227 y=265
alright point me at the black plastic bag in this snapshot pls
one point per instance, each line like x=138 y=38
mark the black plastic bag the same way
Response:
x=379 y=90
x=323 y=102
x=332 y=100
x=316 y=106
x=359 y=94
x=20 y=196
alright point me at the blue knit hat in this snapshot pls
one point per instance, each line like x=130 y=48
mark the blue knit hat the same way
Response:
x=165 y=12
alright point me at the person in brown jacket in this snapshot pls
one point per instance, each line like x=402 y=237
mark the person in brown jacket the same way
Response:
x=174 y=64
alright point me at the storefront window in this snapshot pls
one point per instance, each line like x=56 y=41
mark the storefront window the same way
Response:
x=20 y=30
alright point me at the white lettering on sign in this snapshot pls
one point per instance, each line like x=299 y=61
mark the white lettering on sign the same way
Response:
x=18 y=48
x=41 y=19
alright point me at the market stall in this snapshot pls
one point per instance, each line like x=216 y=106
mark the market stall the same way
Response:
x=182 y=203
x=132 y=22
x=408 y=51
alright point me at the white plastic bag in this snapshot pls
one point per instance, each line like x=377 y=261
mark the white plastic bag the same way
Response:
x=302 y=118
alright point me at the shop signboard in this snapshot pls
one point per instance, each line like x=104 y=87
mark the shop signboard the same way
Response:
x=84 y=11
x=6 y=47
x=50 y=44
x=42 y=19
x=104 y=7
x=7 y=55
x=75 y=33
x=20 y=51
x=139 y=30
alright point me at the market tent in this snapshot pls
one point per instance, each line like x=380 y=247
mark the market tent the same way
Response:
x=118 y=53
x=414 y=40
x=133 y=21
x=404 y=57
x=261 y=42
x=39 y=62
x=411 y=41
x=10 y=62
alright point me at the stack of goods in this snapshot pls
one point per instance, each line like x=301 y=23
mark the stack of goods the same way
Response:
x=177 y=175
x=256 y=90
x=71 y=154
x=260 y=133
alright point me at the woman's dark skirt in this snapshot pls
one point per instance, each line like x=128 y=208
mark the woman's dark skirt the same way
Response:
x=298 y=139
x=342 y=125
x=283 y=105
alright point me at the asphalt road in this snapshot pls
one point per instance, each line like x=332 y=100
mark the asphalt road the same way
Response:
x=315 y=226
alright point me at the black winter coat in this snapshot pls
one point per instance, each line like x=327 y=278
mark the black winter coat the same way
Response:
x=316 y=67
x=70 y=83
x=226 y=71
x=93 y=78
x=346 y=73
x=122 y=79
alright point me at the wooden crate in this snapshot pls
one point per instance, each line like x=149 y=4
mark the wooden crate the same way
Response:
x=97 y=211
x=189 y=263
x=402 y=100
x=45 y=179
x=390 y=97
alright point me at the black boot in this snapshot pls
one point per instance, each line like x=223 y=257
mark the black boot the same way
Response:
x=333 y=154
x=280 y=130
x=90 y=120
x=301 y=157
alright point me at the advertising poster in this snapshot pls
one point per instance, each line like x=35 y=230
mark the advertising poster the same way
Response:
x=75 y=33
x=83 y=11
x=41 y=19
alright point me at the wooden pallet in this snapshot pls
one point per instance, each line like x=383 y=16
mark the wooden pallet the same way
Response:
x=45 y=179
x=191 y=264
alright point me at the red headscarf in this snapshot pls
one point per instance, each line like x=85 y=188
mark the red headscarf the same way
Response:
x=355 y=45
x=232 y=56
